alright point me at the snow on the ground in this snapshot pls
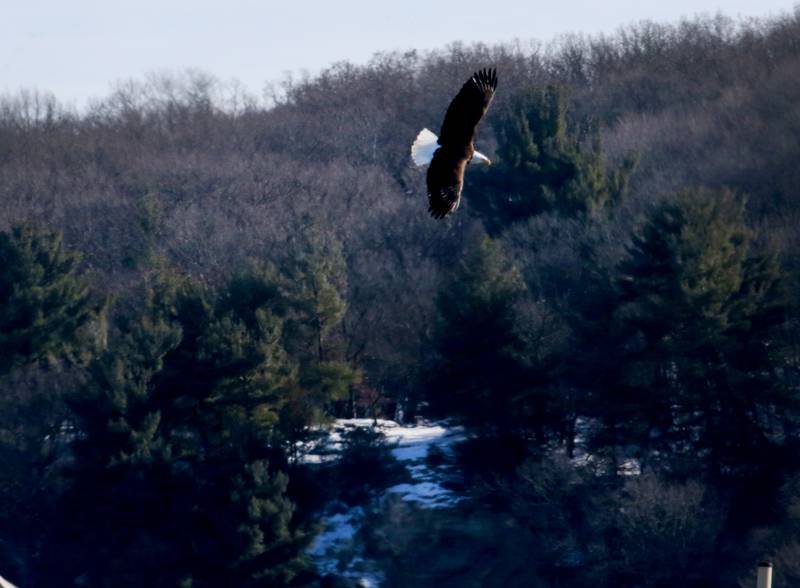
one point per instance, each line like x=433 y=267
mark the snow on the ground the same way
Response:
x=582 y=456
x=426 y=494
x=410 y=446
x=336 y=537
x=335 y=549
x=413 y=442
x=630 y=467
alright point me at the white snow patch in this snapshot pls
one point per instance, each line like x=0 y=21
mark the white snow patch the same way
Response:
x=425 y=494
x=630 y=467
x=336 y=549
x=336 y=539
x=414 y=442
x=411 y=442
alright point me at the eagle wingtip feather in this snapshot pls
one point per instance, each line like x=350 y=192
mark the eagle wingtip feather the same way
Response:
x=485 y=78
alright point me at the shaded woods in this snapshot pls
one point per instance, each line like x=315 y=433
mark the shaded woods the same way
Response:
x=192 y=278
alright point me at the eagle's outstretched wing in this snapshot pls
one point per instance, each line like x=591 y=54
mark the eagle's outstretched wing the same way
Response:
x=467 y=109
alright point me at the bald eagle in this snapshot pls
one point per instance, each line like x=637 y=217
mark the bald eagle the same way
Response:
x=449 y=154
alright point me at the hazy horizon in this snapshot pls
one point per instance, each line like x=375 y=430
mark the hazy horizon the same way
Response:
x=79 y=51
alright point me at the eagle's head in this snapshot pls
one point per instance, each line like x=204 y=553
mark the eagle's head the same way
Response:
x=478 y=157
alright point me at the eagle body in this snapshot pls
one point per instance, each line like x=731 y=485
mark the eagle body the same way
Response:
x=445 y=178
x=449 y=154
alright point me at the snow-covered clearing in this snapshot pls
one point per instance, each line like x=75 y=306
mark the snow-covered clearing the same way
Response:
x=339 y=548
x=336 y=549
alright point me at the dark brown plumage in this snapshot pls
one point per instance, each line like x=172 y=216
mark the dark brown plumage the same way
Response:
x=446 y=172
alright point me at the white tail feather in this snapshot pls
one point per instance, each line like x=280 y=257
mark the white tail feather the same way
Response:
x=423 y=147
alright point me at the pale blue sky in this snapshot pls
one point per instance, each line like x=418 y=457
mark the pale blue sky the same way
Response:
x=79 y=48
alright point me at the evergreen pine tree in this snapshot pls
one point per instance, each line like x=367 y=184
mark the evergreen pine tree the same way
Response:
x=177 y=475
x=315 y=296
x=44 y=304
x=46 y=313
x=696 y=306
x=542 y=167
x=476 y=371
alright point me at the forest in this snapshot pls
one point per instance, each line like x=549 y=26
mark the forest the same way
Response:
x=195 y=280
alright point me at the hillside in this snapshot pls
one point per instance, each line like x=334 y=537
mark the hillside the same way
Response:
x=196 y=282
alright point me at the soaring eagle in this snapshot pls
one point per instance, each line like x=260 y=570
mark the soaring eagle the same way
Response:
x=449 y=154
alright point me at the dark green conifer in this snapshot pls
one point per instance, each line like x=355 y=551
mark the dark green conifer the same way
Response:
x=696 y=304
x=315 y=295
x=476 y=371
x=45 y=307
x=177 y=475
x=542 y=167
